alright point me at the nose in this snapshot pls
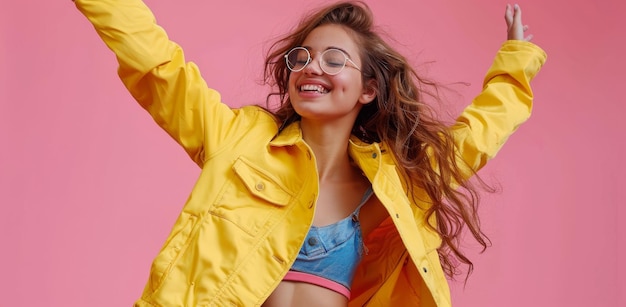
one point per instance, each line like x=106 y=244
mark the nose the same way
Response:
x=314 y=67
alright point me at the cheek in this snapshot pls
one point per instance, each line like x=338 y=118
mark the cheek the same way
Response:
x=290 y=88
x=347 y=83
x=291 y=84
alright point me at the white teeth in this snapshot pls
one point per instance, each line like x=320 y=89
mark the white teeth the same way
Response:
x=313 y=88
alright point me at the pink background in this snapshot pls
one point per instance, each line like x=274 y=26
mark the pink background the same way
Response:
x=90 y=187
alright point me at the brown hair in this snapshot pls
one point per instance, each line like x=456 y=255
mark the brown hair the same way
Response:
x=421 y=144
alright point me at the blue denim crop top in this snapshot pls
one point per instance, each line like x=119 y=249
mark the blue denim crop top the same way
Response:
x=330 y=254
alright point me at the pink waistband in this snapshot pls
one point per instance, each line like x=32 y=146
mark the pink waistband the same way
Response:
x=319 y=281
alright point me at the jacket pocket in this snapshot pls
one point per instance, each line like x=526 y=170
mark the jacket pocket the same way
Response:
x=174 y=247
x=251 y=198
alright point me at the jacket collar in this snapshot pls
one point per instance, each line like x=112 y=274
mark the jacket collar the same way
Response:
x=292 y=134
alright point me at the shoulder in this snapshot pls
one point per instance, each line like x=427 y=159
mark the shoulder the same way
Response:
x=257 y=118
x=256 y=112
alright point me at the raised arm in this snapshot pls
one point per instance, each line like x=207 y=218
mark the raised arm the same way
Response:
x=155 y=72
x=506 y=99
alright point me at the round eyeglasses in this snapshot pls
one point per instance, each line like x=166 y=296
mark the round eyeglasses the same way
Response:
x=332 y=61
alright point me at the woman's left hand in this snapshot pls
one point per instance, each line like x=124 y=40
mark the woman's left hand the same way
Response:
x=515 y=28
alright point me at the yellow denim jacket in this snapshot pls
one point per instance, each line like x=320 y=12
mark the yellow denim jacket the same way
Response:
x=254 y=201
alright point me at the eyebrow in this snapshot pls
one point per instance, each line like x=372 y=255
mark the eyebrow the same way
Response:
x=331 y=47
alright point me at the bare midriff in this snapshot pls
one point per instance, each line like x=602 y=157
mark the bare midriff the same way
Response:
x=300 y=294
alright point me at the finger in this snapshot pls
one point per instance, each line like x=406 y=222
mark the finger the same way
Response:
x=508 y=16
x=528 y=38
x=525 y=28
x=517 y=16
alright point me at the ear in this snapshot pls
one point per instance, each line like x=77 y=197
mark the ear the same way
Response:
x=369 y=91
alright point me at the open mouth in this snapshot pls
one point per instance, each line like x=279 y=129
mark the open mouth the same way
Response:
x=313 y=88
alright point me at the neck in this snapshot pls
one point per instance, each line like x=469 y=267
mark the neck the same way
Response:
x=330 y=145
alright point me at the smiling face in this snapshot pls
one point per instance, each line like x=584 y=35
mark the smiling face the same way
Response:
x=317 y=95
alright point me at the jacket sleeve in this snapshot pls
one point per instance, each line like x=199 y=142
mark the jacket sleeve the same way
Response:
x=503 y=105
x=155 y=72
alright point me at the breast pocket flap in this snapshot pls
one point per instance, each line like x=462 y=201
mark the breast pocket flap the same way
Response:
x=261 y=183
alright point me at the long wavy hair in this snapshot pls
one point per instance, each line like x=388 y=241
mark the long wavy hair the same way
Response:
x=399 y=116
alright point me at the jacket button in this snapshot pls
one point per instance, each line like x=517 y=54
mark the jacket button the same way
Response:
x=425 y=269
x=374 y=155
x=260 y=186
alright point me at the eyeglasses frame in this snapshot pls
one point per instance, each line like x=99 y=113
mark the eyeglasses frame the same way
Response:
x=310 y=59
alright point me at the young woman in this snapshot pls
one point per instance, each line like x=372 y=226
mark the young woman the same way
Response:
x=348 y=194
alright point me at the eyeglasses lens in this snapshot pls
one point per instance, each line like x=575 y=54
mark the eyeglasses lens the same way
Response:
x=333 y=61
x=297 y=59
